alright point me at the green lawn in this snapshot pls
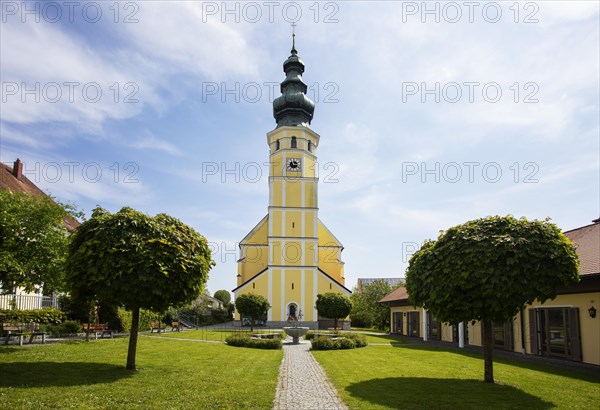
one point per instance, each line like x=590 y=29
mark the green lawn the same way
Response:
x=206 y=334
x=173 y=374
x=418 y=377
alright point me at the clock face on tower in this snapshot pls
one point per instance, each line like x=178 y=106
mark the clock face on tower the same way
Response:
x=294 y=164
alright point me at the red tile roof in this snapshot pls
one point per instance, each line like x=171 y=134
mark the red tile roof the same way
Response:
x=23 y=184
x=588 y=240
x=399 y=294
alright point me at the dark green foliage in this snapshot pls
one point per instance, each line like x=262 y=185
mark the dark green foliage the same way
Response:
x=140 y=262
x=252 y=305
x=311 y=334
x=41 y=316
x=335 y=340
x=224 y=296
x=341 y=343
x=358 y=339
x=75 y=310
x=244 y=340
x=68 y=327
x=488 y=269
x=345 y=343
x=333 y=306
x=33 y=242
x=134 y=260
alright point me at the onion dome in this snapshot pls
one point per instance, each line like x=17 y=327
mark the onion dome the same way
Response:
x=293 y=107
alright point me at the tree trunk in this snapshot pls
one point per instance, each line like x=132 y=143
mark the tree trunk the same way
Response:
x=488 y=346
x=335 y=324
x=133 y=336
x=87 y=332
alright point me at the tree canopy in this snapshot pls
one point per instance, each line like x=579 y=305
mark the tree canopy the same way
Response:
x=137 y=261
x=488 y=269
x=224 y=296
x=253 y=306
x=33 y=242
x=333 y=306
x=366 y=312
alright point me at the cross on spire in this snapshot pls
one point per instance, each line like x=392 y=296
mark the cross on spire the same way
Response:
x=294 y=38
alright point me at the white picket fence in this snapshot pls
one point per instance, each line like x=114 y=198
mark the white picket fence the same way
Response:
x=28 y=302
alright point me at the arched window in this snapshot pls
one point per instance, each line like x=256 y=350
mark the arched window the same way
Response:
x=277 y=145
x=294 y=143
x=309 y=146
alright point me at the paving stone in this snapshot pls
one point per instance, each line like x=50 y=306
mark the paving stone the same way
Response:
x=303 y=384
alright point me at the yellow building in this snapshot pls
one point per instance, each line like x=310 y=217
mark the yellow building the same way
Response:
x=566 y=327
x=290 y=256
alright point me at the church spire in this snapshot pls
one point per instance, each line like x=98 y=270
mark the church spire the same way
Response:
x=293 y=107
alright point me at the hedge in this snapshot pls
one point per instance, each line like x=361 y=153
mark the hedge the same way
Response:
x=244 y=340
x=311 y=334
x=344 y=341
x=146 y=318
x=42 y=316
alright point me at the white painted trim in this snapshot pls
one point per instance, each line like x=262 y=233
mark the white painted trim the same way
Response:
x=270 y=292
x=283 y=304
x=302 y=293
x=334 y=283
x=315 y=289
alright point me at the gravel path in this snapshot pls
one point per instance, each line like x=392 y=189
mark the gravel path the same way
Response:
x=303 y=384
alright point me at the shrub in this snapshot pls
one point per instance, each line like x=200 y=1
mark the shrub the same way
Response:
x=244 y=340
x=71 y=327
x=67 y=328
x=311 y=334
x=358 y=339
x=345 y=343
x=146 y=318
x=323 y=343
x=42 y=316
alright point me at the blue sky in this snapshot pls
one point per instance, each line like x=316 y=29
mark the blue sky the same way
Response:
x=180 y=124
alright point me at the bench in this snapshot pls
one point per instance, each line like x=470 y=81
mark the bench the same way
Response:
x=156 y=326
x=98 y=329
x=175 y=326
x=19 y=330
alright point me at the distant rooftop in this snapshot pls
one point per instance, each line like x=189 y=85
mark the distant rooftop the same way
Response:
x=368 y=281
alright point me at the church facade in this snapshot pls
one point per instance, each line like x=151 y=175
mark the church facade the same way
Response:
x=290 y=256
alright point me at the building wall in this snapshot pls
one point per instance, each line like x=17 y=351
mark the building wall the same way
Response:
x=285 y=286
x=589 y=328
x=280 y=258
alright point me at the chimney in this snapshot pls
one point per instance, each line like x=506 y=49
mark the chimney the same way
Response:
x=17 y=169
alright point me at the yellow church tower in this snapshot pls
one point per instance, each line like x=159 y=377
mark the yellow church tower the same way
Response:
x=290 y=256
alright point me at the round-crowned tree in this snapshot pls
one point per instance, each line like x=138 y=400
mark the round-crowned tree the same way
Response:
x=488 y=269
x=224 y=296
x=253 y=306
x=137 y=261
x=333 y=306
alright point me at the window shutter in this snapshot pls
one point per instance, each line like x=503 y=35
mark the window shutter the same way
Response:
x=533 y=332
x=574 y=339
x=508 y=335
